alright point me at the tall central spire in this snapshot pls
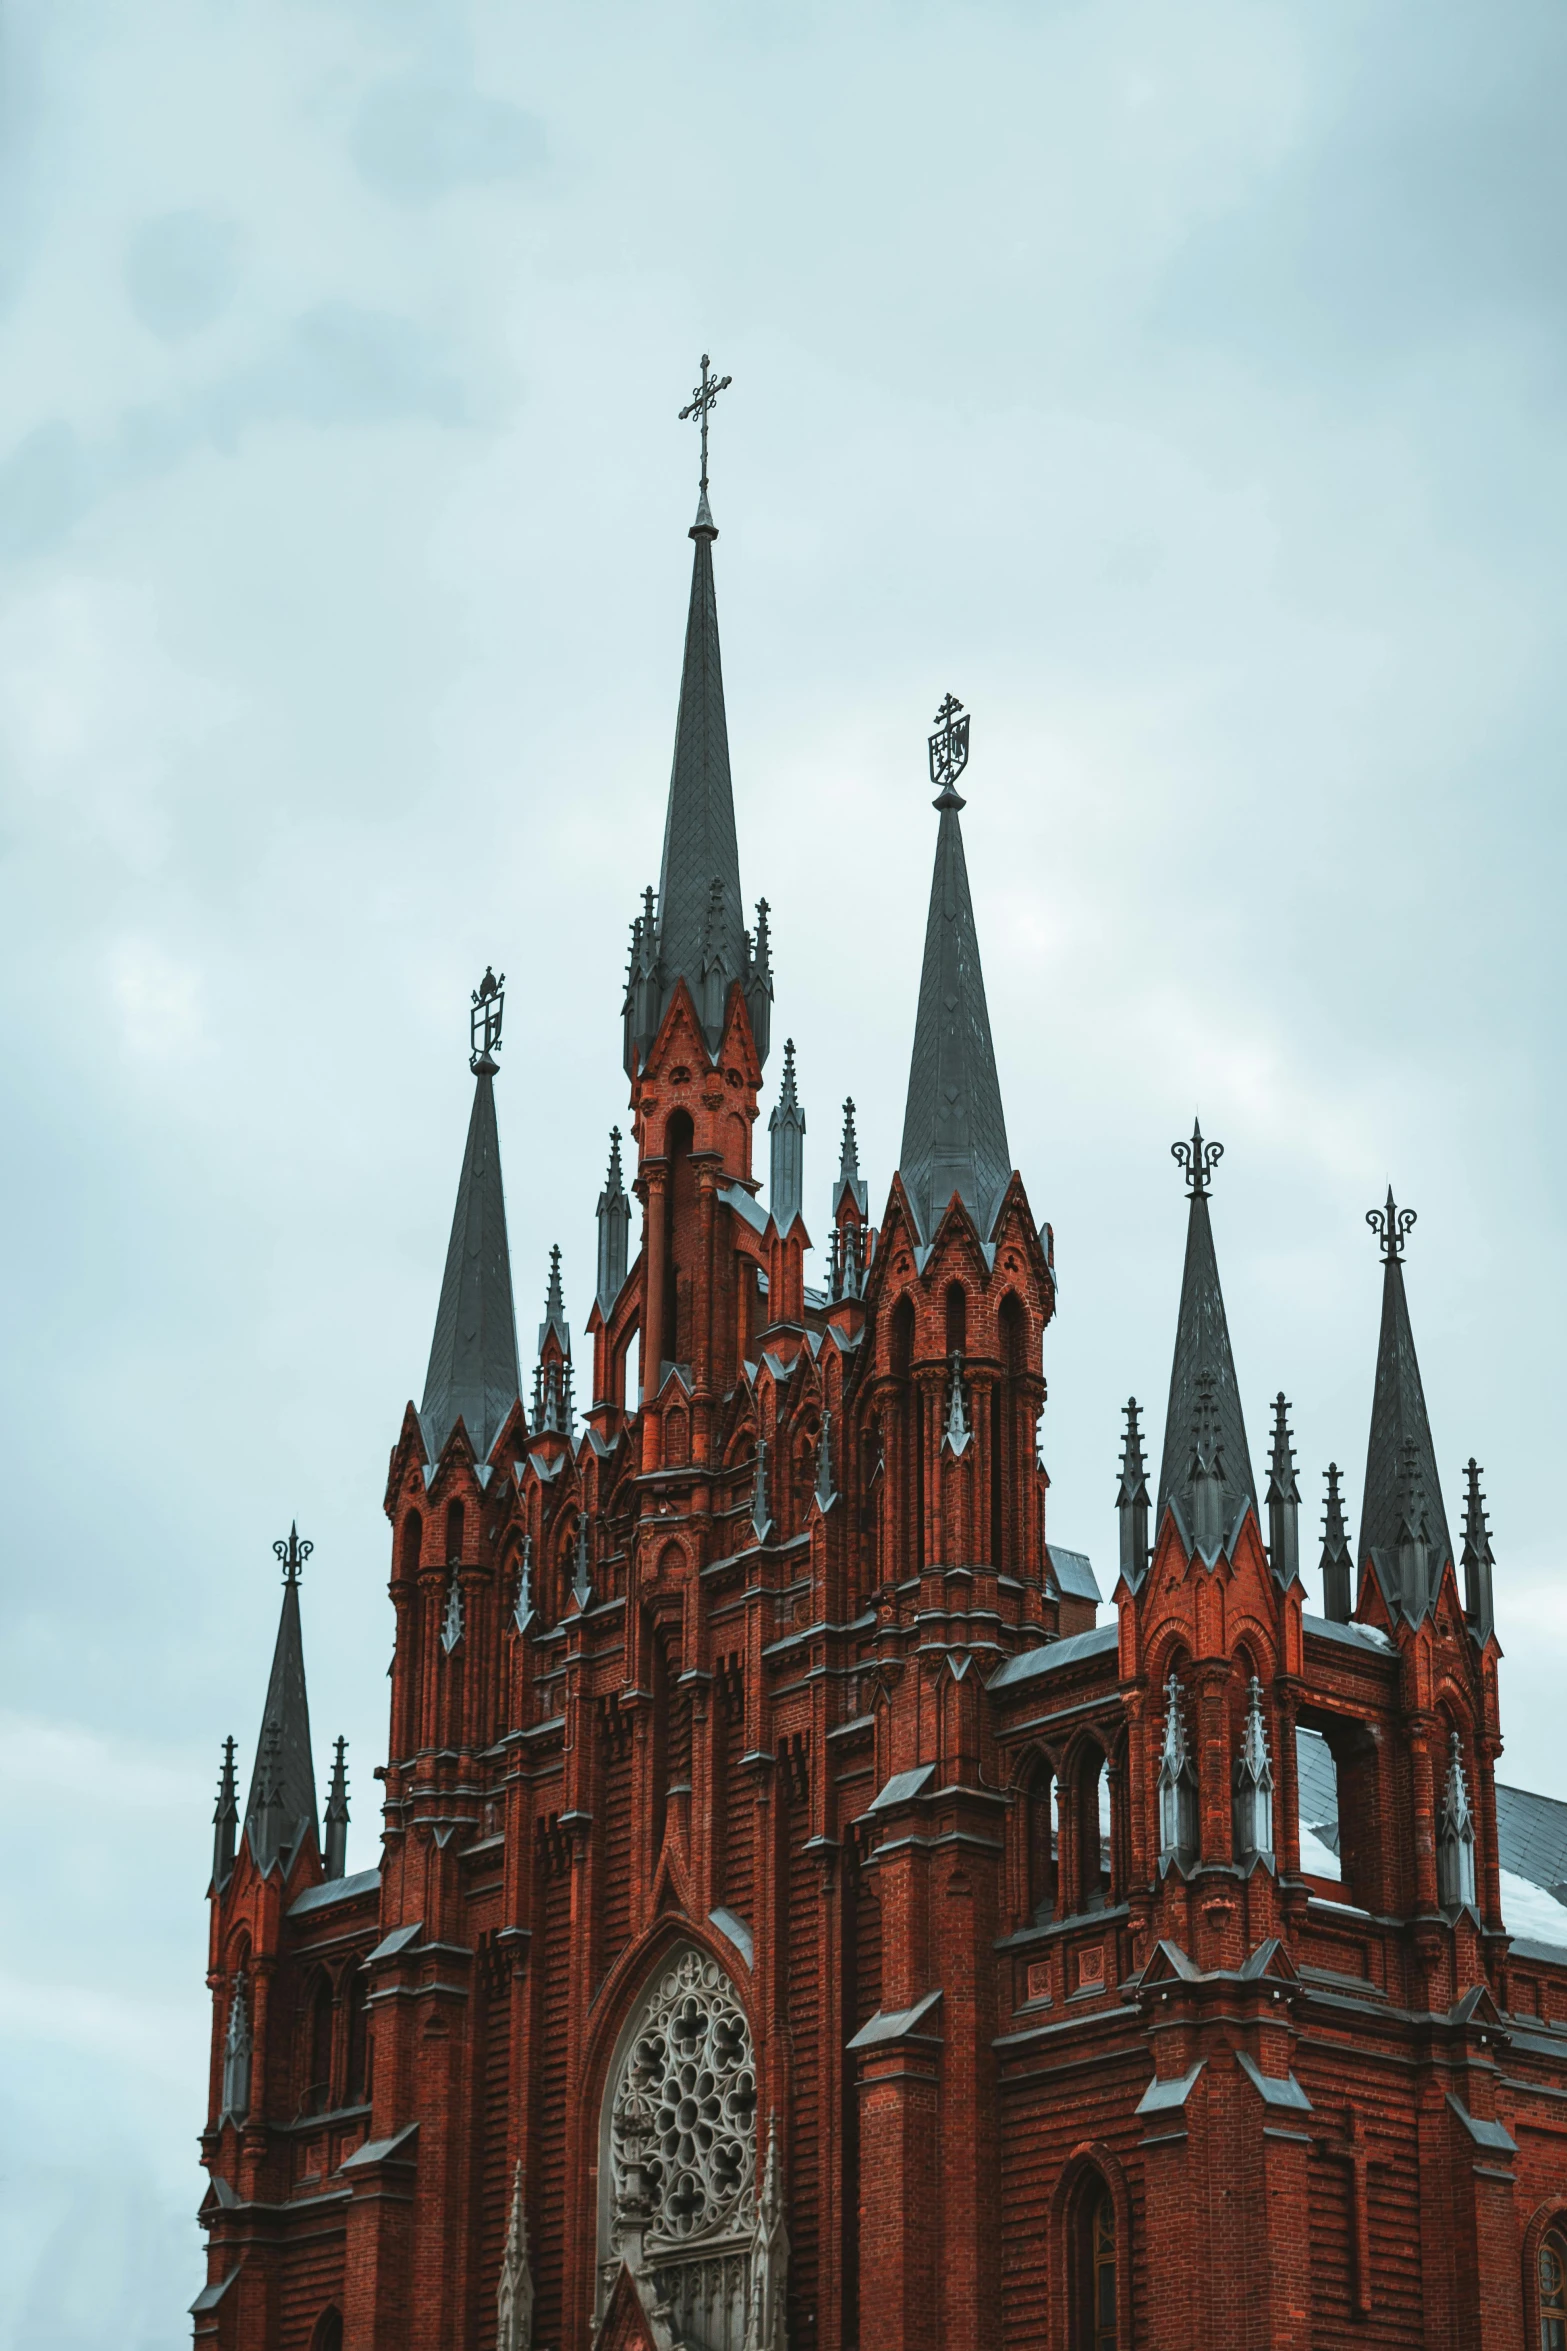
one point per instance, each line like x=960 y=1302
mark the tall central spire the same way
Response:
x=699 y=932
x=954 y=1130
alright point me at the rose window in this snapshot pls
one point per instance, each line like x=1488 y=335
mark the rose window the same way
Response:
x=684 y=2107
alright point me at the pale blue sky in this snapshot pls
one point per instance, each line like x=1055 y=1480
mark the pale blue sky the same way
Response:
x=1182 y=388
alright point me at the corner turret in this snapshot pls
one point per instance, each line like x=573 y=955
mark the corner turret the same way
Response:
x=281 y=1812
x=1403 y=1525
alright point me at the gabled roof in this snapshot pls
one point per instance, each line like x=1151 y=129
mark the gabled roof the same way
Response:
x=697 y=920
x=1400 y=1457
x=283 y=1784
x=473 y=1374
x=954 y=1129
x=1203 y=1358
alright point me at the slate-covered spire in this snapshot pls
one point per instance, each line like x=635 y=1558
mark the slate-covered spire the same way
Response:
x=701 y=916
x=282 y=1802
x=1203 y=1387
x=1338 y=1560
x=1403 y=1524
x=336 y=1855
x=473 y=1374
x=614 y=1219
x=1479 y=1606
x=786 y=1127
x=954 y=1131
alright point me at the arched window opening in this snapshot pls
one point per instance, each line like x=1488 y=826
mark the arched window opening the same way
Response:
x=1007 y=1461
x=413 y=1543
x=316 y=2092
x=359 y=2044
x=1093 y=1832
x=680 y=1241
x=1042 y=1844
x=901 y=1338
x=1552 y=2266
x=454 y=1534
x=1097 y=2272
x=328 y=2334
x=1337 y=1776
x=957 y=1320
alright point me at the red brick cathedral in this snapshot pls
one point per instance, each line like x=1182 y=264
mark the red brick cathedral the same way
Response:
x=799 y=1919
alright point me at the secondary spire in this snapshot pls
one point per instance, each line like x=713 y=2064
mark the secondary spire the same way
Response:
x=473 y=1374
x=282 y=1802
x=954 y=1130
x=1403 y=1525
x=1204 y=1428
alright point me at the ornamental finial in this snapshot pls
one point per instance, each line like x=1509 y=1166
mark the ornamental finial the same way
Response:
x=1199 y=1160
x=700 y=405
x=949 y=752
x=292 y=1554
x=1390 y=1224
x=484 y=1023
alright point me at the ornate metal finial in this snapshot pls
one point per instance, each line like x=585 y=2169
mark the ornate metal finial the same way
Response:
x=292 y=1554
x=1390 y=1224
x=484 y=1021
x=1199 y=1160
x=700 y=405
x=949 y=752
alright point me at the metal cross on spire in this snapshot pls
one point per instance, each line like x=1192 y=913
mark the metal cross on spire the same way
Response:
x=1390 y=1224
x=700 y=405
x=1199 y=1159
x=292 y=1555
x=949 y=752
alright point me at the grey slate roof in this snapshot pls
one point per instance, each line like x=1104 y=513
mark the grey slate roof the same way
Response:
x=1202 y=1349
x=699 y=828
x=1073 y=1573
x=1400 y=1434
x=283 y=1749
x=473 y=1374
x=954 y=1130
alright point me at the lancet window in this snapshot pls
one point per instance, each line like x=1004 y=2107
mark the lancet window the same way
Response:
x=1552 y=2267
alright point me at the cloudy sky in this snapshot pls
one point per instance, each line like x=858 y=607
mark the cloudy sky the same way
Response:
x=1184 y=388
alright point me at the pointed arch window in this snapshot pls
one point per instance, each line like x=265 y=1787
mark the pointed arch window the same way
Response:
x=1552 y=2271
x=1098 y=2269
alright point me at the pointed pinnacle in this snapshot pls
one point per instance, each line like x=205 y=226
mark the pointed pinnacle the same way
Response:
x=614 y=1183
x=849 y=1156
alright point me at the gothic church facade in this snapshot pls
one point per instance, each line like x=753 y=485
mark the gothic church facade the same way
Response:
x=799 y=1919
